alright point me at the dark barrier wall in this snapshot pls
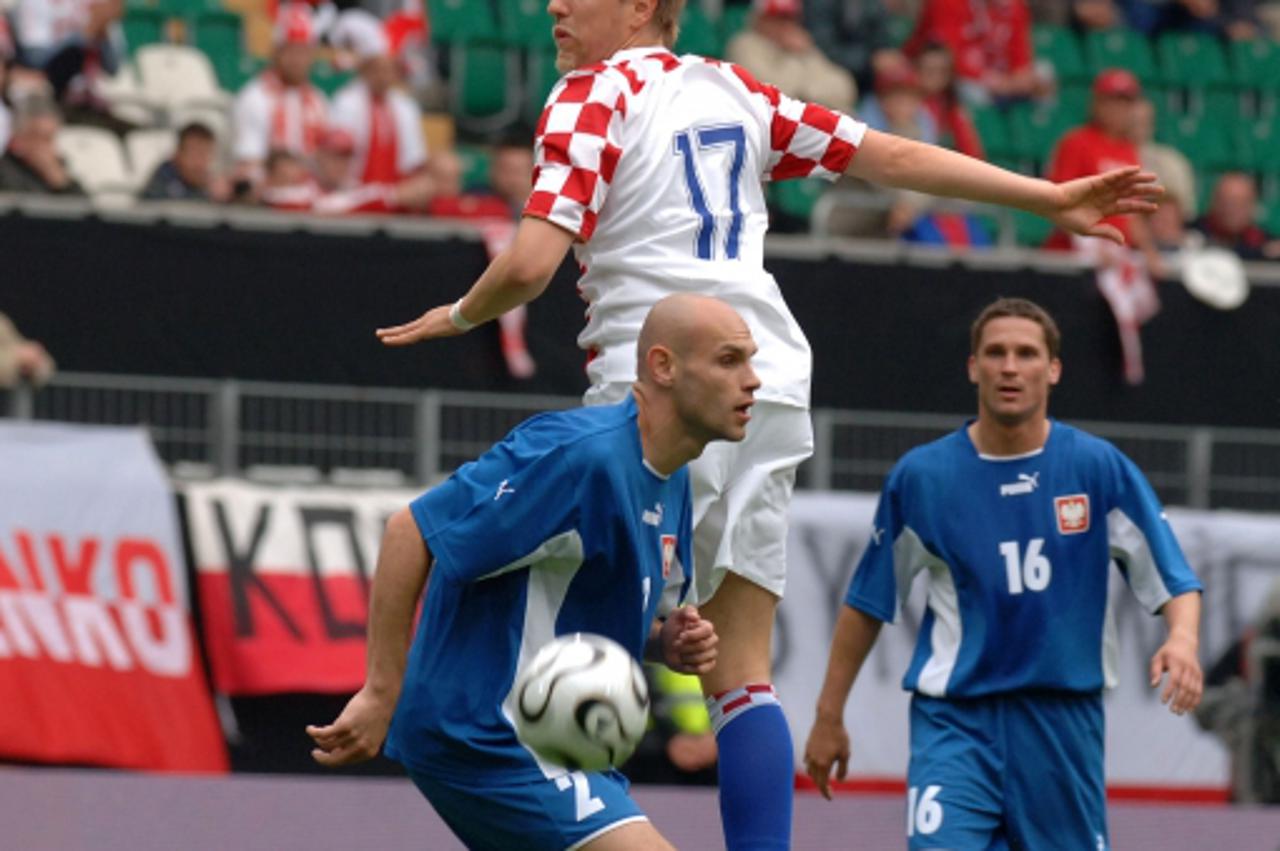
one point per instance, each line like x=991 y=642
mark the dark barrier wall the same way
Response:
x=219 y=302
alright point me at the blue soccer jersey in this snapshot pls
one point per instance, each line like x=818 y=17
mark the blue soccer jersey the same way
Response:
x=562 y=527
x=1018 y=551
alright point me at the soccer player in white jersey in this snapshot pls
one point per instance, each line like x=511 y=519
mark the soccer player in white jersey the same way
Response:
x=651 y=167
x=578 y=521
x=1016 y=519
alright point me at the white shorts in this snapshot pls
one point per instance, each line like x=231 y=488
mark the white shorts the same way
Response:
x=741 y=495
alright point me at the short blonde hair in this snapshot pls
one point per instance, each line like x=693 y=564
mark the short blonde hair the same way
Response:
x=666 y=17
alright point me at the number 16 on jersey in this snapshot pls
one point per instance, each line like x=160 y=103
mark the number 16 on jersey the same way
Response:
x=697 y=147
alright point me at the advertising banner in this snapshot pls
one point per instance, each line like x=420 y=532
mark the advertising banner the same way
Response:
x=98 y=660
x=283 y=582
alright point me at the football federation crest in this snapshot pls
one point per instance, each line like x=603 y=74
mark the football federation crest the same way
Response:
x=1073 y=513
x=668 y=554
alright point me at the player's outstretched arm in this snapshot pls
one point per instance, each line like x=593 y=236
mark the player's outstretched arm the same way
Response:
x=1179 y=655
x=1078 y=206
x=401 y=574
x=828 y=744
x=516 y=276
x=685 y=642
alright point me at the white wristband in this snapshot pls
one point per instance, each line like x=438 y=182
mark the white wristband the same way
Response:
x=459 y=321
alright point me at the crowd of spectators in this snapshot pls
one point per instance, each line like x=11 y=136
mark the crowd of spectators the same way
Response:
x=920 y=68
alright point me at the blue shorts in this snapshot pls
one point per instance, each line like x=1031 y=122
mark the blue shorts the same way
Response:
x=1011 y=771
x=543 y=815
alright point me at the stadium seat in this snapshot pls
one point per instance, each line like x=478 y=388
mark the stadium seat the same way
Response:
x=485 y=86
x=541 y=76
x=123 y=92
x=525 y=23
x=174 y=74
x=461 y=21
x=1258 y=143
x=1192 y=60
x=1207 y=145
x=1060 y=47
x=329 y=79
x=733 y=19
x=96 y=160
x=1074 y=100
x=1029 y=229
x=147 y=149
x=475 y=167
x=698 y=33
x=142 y=26
x=899 y=27
x=1256 y=65
x=1035 y=130
x=221 y=36
x=187 y=8
x=1121 y=48
x=993 y=130
x=796 y=198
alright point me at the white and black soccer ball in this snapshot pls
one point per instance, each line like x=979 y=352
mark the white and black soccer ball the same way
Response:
x=582 y=703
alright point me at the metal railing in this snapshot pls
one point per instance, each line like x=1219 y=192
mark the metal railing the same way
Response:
x=355 y=435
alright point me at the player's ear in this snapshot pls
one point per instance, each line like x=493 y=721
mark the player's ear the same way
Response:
x=1055 y=371
x=662 y=365
x=973 y=369
x=642 y=12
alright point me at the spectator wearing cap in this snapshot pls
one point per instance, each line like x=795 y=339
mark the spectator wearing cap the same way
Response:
x=189 y=175
x=1231 y=220
x=1105 y=142
x=279 y=110
x=384 y=121
x=31 y=162
x=777 y=49
x=990 y=41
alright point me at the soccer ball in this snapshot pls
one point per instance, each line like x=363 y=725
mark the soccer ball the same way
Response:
x=582 y=703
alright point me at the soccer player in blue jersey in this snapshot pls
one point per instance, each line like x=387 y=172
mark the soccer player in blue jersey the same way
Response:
x=578 y=521
x=1015 y=518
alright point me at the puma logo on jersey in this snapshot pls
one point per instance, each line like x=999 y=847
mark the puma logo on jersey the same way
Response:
x=503 y=490
x=1026 y=483
x=1073 y=513
x=652 y=518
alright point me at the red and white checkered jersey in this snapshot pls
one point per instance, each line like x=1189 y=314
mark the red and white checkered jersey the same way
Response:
x=657 y=164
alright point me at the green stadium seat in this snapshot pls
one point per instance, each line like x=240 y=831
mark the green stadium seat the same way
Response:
x=525 y=23
x=538 y=82
x=221 y=36
x=484 y=82
x=899 y=27
x=1121 y=48
x=328 y=79
x=1258 y=143
x=187 y=8
x=993 y=130
x=141 y=27
x=733 y=19
x=698 y=34
x=1192 y=60
x=796 y=198
x=1207 y=145
x=1074 y=100
x=1256 y=65
x=1029 y=229
x=461 y=21
x=475 y=167
x=1035 y=130
x=1061 y=49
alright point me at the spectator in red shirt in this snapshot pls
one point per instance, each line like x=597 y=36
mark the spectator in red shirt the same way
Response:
x=991 y=43
x=936 y=71
x=1106 y=142
x=1230 y=221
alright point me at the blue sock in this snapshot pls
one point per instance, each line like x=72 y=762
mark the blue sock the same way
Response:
x=757 y=770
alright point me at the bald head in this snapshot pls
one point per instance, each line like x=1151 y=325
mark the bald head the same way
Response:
x=677 y=322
